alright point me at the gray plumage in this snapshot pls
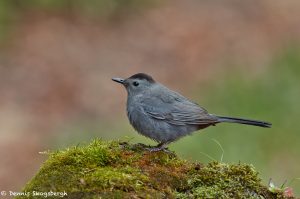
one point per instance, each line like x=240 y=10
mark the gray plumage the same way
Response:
x=164 y=115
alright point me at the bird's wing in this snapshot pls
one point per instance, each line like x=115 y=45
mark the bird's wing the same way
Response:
x=177 y=110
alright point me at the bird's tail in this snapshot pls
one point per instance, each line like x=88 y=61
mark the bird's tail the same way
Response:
x=244 y=121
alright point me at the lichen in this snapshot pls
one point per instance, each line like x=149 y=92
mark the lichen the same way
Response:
x=122 y=170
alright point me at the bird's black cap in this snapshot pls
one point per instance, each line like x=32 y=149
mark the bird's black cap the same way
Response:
x=142 y=76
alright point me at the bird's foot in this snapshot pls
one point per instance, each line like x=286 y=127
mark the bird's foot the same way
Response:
x=155 y=149
x=160 y=147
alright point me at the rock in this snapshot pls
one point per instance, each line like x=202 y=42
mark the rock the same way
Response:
x=116 y=169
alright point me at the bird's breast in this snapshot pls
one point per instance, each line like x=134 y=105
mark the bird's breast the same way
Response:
x=137 y=118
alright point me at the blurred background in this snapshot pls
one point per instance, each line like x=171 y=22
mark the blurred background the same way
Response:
x=235 y=58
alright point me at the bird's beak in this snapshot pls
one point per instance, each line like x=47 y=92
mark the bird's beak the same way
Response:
x=119 y=80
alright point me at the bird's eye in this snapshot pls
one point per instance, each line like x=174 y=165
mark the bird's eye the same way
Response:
x=135 y=83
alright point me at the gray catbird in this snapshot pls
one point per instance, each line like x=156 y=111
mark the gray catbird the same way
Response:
x=164 y=115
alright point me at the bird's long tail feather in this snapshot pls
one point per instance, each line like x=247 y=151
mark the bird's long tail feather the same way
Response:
x=244 y=121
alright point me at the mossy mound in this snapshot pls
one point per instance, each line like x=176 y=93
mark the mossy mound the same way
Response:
x=121 y=170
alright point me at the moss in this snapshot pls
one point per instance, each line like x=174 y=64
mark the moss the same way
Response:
x=121 y=170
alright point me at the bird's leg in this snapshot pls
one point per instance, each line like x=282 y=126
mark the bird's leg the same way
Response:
x=160 y=147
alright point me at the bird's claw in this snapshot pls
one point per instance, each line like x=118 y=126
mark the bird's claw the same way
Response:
x=157 y=149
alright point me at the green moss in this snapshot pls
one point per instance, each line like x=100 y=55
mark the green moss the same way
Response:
x=120 y=170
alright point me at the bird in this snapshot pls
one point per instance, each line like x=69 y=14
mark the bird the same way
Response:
x=164 y=115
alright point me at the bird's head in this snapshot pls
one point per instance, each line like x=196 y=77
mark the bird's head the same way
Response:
x=136 y=83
